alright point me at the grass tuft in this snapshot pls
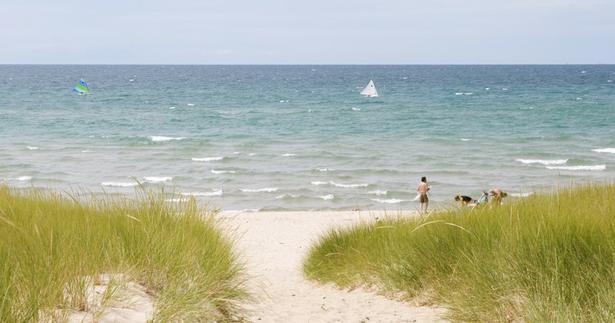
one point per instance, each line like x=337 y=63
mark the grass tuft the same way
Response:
x=49 y=243
x=544 y=258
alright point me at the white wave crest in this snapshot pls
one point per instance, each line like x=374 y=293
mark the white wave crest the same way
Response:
x=348 y=185
x=324 y=169
x=581 y=167
x=605 y=150
x=288 y=155
x=319 y=183
x=119 y=184
x=157 y=179
x=33 y=148
x=327 y=197
x=165 y=138
x=259 y=190
x=465 y=139
x=190 y=104
x=378 y=192
x=207 y=159
x=24 y=178
x=213 y=171
x=356 y=109
x=212 y=193
x=388 y=201
x=283 y=196
x=543 y=161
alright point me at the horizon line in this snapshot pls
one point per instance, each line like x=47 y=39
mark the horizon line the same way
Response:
x=303 y=64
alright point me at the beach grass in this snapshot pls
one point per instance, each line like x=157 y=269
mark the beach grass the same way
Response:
x=546 y=258
x=49 y=242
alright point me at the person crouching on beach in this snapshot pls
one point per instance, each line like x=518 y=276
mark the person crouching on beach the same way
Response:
x=497 y=195
x=422 y=190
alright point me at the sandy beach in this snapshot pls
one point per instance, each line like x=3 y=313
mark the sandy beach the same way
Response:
x=274 y=245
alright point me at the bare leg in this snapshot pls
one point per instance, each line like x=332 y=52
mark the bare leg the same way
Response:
x=423 y=209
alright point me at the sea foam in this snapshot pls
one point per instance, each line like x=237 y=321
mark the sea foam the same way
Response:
x=32 y=148
x=164 y=138
x=157 y=179
x=327 y=197
x=24 y=178
x=348 y=185
x=319 y=183
x=213 y=171
x=286 y=196
x=605 y=150
x=581 y=167
x=543 y=161
x=212 y=193
x=378 y=192
x=259 y=190
x=207 y=159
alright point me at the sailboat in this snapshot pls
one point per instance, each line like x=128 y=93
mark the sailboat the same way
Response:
x=370 y=90
x=82 y=88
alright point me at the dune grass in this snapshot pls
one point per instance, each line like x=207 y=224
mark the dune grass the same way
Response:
x=49 y=243
x=547 y=258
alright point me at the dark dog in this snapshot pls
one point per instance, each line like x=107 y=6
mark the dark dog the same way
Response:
x=464 y=200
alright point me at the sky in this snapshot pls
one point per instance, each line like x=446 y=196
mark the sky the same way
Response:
x=307 y=32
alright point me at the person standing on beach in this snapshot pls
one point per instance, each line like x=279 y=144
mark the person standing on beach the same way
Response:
x=422 y=190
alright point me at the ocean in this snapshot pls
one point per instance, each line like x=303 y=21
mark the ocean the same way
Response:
x=302 y=137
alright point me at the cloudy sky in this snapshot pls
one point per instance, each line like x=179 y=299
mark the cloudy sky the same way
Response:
x=307 y=32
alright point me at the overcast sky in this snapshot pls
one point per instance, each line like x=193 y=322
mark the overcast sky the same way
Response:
x=307 y=32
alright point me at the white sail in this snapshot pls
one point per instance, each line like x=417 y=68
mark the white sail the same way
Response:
x=370 y=90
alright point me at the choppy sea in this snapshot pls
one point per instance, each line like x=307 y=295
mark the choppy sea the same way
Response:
x=302 y=137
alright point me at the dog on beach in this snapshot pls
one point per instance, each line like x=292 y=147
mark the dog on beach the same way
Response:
x=463 y=200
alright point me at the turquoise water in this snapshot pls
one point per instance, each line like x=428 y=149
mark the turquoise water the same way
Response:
x=301 y=137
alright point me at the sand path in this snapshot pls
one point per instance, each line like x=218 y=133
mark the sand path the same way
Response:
x=274 y=245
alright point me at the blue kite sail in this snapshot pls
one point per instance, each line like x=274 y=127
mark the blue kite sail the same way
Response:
x=82 y=88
